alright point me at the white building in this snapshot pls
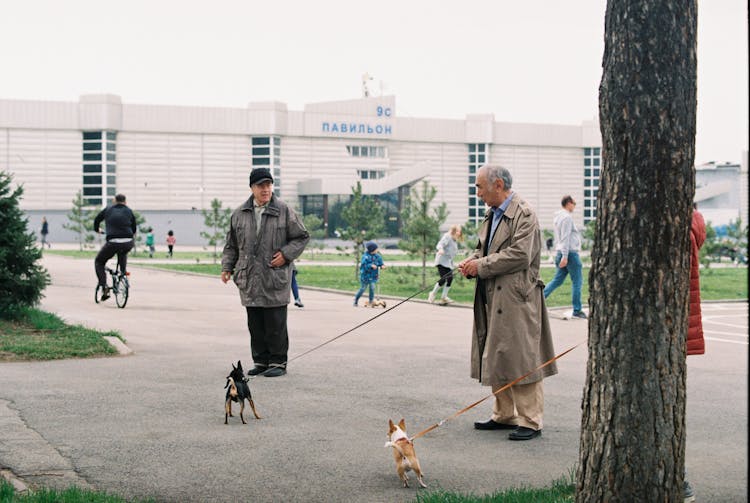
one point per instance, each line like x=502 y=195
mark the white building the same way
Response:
x=171 y=161
x=721 y=192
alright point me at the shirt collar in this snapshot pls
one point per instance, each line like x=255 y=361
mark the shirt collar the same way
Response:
x=501 y=209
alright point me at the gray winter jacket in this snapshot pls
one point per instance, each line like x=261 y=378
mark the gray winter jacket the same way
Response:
x=248 y=256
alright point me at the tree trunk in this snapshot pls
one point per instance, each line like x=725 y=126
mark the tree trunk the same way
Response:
x=633 y=425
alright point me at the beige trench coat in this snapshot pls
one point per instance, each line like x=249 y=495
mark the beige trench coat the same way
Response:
x=248 y=255
x=511 y=333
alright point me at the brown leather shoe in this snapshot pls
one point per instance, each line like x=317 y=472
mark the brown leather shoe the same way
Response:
x=491 y=424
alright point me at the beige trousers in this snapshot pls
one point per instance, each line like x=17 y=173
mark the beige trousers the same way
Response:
x=522 y=404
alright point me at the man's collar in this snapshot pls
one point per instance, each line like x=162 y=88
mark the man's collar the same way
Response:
x=505 y=204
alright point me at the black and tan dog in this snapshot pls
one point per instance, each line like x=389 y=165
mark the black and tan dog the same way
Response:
x=238 y=391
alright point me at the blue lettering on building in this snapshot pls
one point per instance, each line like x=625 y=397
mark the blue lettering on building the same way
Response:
x=357 y=128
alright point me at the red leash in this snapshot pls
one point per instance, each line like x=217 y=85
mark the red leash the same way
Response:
x=516 y=381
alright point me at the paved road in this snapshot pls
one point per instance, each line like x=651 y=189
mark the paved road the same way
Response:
x=151 y=424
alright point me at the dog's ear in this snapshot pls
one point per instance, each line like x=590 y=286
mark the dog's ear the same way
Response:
x=233 y=367
x=402 y=424
x=239 y=364
x=390 y=424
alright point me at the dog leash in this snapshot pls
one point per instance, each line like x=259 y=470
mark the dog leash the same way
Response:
x=516 y=381
x=371 y=319
x=360 y=325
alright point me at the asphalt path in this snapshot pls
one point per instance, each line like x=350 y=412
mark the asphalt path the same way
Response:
x=152 y=424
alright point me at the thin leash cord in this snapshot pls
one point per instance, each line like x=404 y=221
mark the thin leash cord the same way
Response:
x=361 y=324
x=471 y=406
x=371 y=319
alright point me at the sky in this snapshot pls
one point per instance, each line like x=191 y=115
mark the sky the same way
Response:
x=535 y=61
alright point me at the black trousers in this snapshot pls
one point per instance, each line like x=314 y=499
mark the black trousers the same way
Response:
x=269 y=340
x=442 y=271
x=107 y=252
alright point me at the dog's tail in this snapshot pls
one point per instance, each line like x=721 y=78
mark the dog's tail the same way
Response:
x=397 y=447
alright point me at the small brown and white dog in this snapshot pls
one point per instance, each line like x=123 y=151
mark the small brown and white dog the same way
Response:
x=403 y=452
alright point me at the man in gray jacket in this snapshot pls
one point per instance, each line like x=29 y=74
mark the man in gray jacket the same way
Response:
x=264 y=237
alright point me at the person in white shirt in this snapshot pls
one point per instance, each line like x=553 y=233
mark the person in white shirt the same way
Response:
x=567 y=259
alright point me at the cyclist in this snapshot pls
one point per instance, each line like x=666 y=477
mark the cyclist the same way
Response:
x=120 y=225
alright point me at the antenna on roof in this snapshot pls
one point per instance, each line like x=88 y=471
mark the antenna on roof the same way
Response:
x=365 y=90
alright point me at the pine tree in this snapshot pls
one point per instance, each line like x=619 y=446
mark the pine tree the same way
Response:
x=217 y=219
x=142 y=230
x=421 y=224
x=22 y=279
x=81 y=222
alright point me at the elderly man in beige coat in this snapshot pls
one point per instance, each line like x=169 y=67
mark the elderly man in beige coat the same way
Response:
x=511 y=333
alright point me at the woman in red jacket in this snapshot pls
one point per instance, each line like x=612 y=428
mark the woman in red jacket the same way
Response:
x=695 y=344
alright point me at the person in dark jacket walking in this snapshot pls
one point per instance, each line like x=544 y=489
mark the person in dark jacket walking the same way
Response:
x=265 y=236
x=44 y=232
x=120 y=226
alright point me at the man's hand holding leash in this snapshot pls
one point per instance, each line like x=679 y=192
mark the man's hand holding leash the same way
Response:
x=469 y=268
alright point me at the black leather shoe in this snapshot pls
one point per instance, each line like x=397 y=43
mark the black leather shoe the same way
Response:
x=524 y=433
x=491 y=424
x=258 y=369
x=275 y=372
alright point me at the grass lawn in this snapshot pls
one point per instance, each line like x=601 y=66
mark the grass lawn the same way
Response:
x=38 y=335
x=561 y=491
x=206 y=257
x=71 y=495
x=403 y=281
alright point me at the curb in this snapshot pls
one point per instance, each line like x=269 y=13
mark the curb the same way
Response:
x=120 y=346
x=18 y=485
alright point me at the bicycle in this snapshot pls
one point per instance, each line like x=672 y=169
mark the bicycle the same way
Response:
x=119 y=287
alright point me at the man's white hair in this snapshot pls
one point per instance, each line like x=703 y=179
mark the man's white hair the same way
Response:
x=495 y=172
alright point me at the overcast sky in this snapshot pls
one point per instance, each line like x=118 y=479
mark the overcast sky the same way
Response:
x=523 y=61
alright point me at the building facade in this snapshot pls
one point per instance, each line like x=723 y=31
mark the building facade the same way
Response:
x=721 y=192
x=171 y=161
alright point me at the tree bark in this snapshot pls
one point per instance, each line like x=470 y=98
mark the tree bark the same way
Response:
x=633 y=423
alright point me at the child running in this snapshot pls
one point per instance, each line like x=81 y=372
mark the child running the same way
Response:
x=369 y=271
x=171 y=240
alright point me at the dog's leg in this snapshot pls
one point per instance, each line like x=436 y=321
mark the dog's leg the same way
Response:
x=242 y=409
x=418 y=470
x=227 y=409
x=402 y=474
x=419 y=476
x=252 y=406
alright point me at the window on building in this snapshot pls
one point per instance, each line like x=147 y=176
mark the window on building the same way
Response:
x=591 y=170
x=96 y=188
x=477 y=158
x=265 y=152
x=367 y=151
x=370 y=174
